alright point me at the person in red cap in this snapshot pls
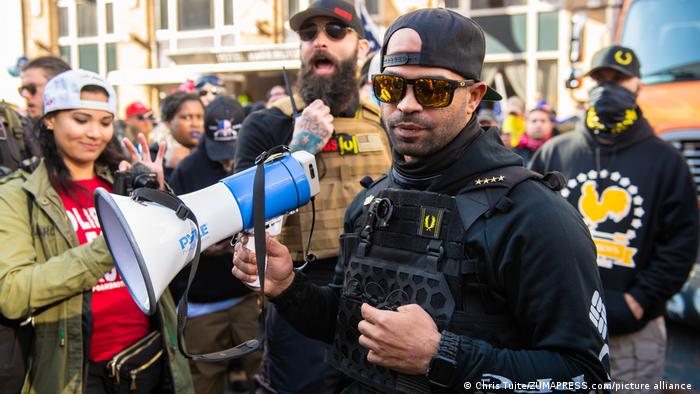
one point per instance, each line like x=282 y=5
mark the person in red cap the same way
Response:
x=139 y=119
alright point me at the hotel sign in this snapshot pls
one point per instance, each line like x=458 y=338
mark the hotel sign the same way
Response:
x=258 y=55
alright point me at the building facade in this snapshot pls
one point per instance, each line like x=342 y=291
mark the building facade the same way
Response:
x=149 y=47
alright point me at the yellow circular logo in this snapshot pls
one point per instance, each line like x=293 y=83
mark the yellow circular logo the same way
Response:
x=623 y=58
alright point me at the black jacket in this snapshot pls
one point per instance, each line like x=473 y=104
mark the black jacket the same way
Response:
x=214 y=281
x=260 y=131
x=638 y=198
x=544 y=262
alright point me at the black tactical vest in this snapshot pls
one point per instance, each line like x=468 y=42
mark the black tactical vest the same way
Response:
x=411 y=247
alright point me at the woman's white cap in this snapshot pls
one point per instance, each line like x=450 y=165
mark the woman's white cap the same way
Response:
x=63 y=92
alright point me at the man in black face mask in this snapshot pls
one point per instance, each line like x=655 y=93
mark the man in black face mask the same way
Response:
x=345 y=134
x=637 y=196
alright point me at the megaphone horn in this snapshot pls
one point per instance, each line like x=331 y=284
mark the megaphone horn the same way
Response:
x=150 y=244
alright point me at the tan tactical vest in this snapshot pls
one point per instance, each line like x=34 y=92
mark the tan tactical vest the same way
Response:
x=358 y=148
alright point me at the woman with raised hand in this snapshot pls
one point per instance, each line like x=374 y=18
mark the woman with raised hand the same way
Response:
x=55 y=267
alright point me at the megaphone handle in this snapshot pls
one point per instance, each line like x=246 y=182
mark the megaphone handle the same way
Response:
x=251 y=246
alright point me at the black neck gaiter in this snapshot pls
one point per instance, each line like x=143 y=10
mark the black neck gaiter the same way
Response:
x=612 y=108
x=421 y=172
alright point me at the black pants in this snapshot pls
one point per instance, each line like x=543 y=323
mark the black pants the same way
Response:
x=15 y=344
x=293 y=363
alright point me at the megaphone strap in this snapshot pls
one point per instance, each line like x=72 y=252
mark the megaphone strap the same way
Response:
x=165 y=199
x=174 y=203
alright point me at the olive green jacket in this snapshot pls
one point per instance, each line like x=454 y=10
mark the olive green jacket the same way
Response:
x=45 y=273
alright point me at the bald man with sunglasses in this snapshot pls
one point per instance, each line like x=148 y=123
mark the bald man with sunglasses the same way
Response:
x=345 y=134
x=460 y=269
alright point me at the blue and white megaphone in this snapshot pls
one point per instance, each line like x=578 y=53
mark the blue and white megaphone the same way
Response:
x=150 y=244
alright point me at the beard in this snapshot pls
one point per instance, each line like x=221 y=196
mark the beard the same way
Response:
x=338 y=90
x=438 y=135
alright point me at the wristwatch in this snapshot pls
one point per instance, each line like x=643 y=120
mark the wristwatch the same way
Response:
x=442 y=370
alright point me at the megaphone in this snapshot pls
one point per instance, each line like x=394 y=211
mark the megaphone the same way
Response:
x=150 y=244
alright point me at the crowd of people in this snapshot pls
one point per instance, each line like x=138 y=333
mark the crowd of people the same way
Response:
x=445 y=258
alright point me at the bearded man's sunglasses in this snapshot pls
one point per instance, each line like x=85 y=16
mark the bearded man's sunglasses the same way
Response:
x=429 y=92
x=336 y=31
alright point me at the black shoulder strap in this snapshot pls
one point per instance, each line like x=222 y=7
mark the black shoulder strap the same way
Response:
x=380 y=183
x=9 y=149
x=174 y=203
x=487 y=193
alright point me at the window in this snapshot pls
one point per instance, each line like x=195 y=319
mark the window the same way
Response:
x=504 y=33
x=292 y=7
x=669 y=51
x=109 y=17
x=84 y=43
x=63 y=22
x=87 y=18
x=163 y=14
x=65 y=53
x=452 y=4
x=547 y=81
x=87 y=57
x=228 y=12
x=480 y=4
x=548 y=31
x=194 y=14
x=522 y=46
x=111 y=56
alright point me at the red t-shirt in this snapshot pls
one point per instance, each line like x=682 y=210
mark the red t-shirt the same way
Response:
x=116 y=320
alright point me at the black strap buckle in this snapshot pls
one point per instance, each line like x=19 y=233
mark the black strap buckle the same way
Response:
x=435 y=249
x=182 y=212
x=383 y=210
x=379 y=212
x=273 y=153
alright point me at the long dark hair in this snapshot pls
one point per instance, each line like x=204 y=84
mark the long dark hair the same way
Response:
x=172 y=103
x=59 y=175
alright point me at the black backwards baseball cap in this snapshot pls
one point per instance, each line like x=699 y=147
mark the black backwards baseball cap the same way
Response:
x=618 y=58
x=337 y=9
x=449 y=40
x=222 y=120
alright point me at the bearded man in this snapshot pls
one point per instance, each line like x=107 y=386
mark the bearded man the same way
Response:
x=345 y=134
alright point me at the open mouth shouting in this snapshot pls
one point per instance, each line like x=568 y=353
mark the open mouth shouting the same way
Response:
x=322 y=63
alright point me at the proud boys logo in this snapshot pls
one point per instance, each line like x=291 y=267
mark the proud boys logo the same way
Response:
x=612 y=209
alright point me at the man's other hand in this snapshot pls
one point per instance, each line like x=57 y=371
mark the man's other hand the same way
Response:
x=405 y=340
x=313 y=128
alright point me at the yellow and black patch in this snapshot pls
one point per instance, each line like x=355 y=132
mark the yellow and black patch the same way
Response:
x=430 y=221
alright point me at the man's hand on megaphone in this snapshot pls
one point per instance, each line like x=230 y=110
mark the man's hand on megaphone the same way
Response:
x=144 y=157
x=313 y=128
x=279 y=274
